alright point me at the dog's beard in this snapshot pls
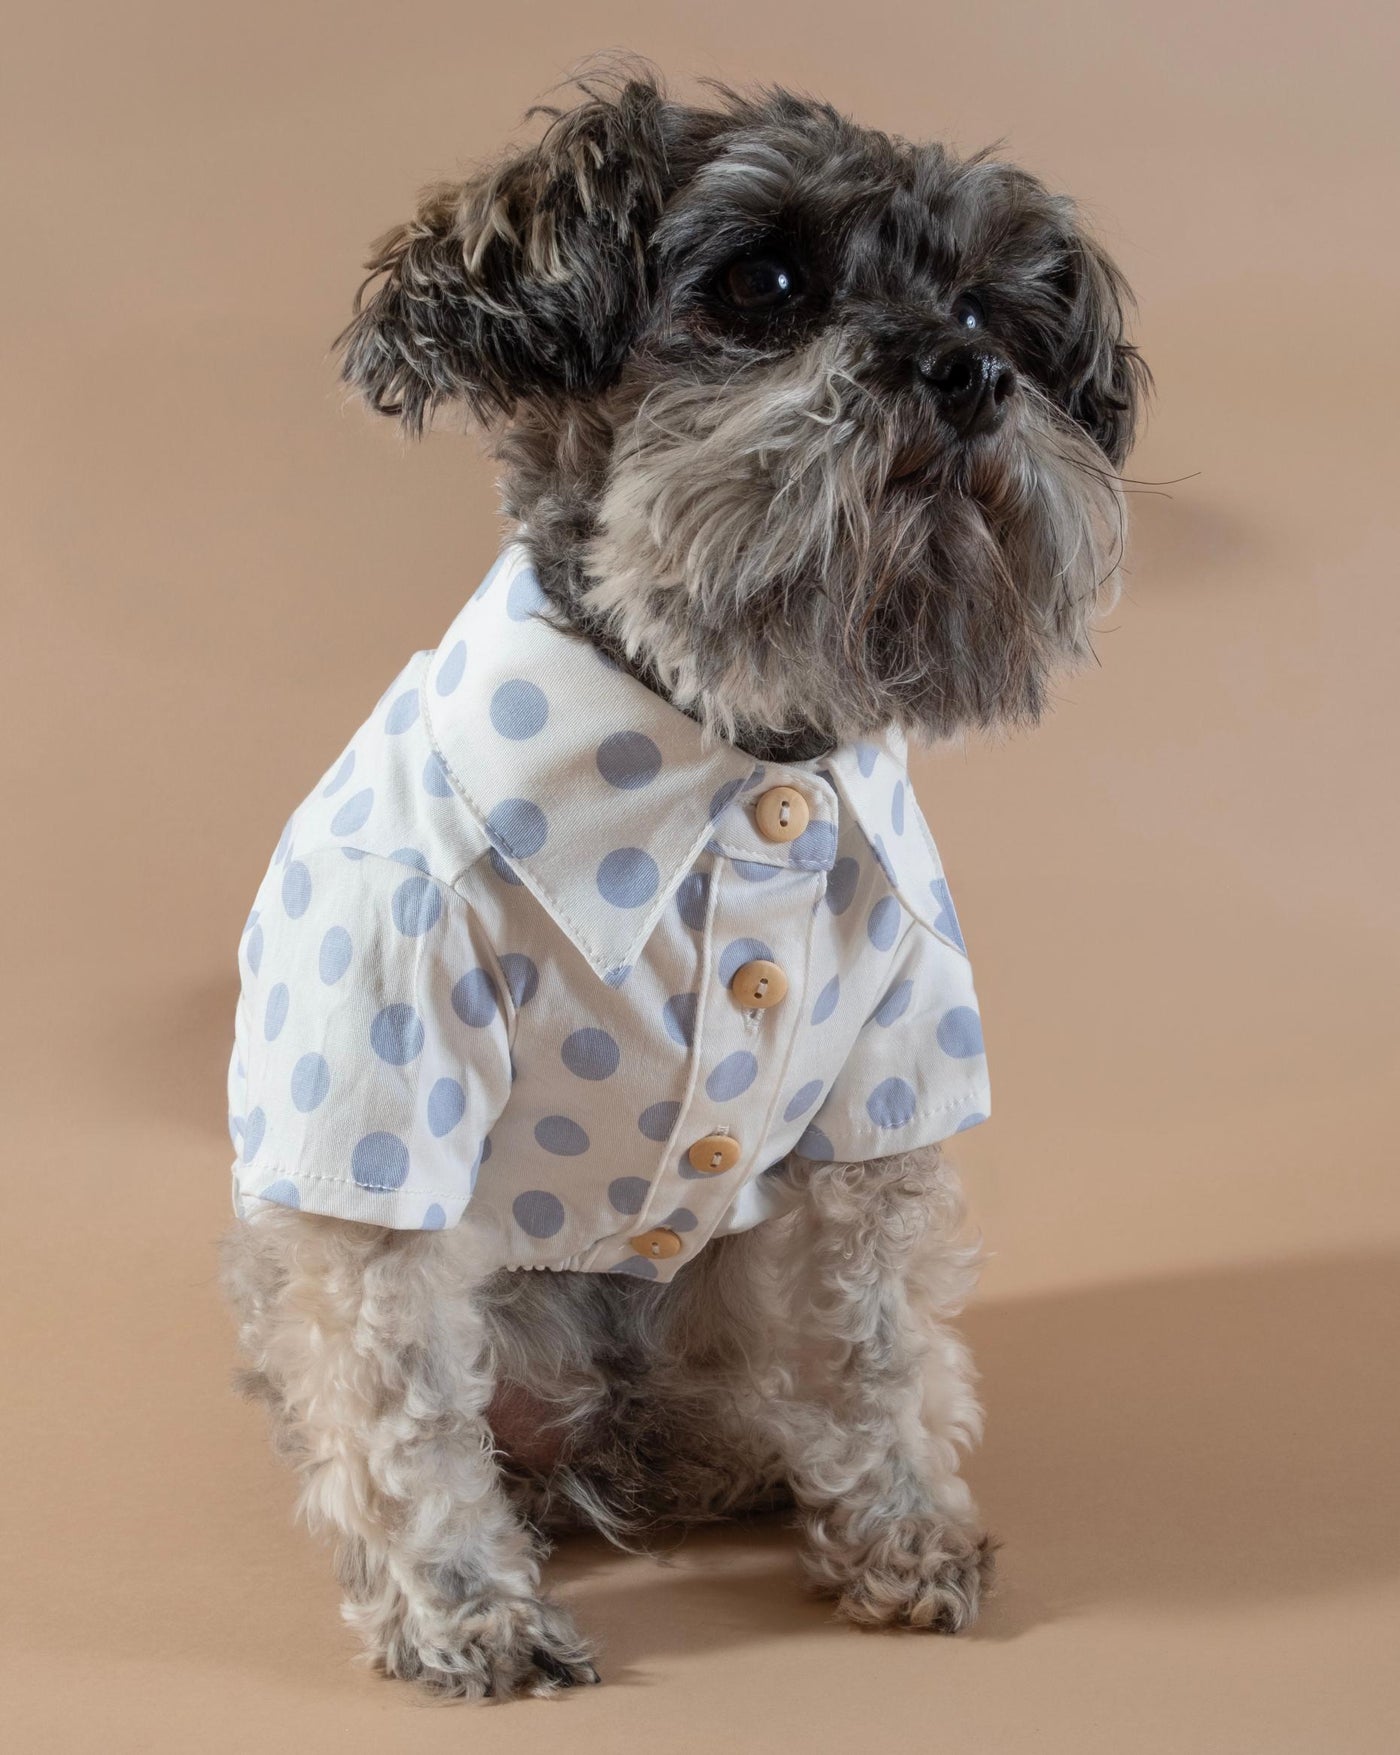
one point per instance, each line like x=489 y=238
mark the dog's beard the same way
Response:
x=790 y=552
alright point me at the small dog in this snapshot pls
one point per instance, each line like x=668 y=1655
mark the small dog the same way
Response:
x=811 y=437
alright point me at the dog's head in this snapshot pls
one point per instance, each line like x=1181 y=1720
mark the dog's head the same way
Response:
x=817 y=428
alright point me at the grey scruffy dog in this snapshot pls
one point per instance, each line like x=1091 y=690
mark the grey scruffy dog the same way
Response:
x=931 y=351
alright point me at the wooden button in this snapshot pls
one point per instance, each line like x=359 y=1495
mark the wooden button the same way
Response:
x=759 y=984
x=714 y=1153
x=782 y=814
x=657 y=1245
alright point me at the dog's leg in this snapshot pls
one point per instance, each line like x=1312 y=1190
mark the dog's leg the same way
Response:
x=369 y=1346
x=867 y=1394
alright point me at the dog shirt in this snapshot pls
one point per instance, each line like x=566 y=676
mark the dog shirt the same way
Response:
x=537 y=952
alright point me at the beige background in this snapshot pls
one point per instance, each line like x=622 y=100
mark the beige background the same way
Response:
x=1180 y=894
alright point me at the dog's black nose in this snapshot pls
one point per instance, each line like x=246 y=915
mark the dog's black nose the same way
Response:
x=974 y=387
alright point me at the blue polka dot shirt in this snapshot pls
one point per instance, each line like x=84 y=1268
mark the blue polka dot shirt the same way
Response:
x=501 y=970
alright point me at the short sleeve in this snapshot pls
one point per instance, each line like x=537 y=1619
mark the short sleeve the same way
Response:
x=373 y=1044
x=918 y=1070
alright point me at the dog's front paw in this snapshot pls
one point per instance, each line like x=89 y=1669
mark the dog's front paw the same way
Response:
x=492 y=1651
x=913 y=1572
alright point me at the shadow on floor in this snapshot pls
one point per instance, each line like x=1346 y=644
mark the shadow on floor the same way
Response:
x=1229 y=1434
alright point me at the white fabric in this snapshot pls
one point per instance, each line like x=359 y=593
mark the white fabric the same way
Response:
x=487 y=971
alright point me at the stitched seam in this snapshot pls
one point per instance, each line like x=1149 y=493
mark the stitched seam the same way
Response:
x=295 y=1176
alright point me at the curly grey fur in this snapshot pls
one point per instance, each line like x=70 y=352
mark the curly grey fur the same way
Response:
x=806 y=1360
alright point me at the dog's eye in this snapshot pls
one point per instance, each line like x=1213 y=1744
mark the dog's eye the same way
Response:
x=758 y=283
x=968 y=312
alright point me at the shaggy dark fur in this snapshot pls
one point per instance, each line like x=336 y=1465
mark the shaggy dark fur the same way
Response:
x=733 y=495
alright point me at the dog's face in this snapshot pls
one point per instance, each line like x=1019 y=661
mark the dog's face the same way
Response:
x=816 y=427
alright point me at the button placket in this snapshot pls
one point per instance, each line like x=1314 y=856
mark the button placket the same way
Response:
x=742 y=1053
x=781 y=908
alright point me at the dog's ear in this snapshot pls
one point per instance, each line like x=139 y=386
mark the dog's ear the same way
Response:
x=528 y=280
x=1103 y=379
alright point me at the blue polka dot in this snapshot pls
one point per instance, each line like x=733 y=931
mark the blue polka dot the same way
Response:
x=396 y=1034
x=692 y=899
x=253 y=949
x=756 y=778
x=841 y=883
x=524 y=596
x=946 y=921
x=296 y=889
x=826 y=1000
x=960 y=1032
x=894 y=1005
x=521 y=977
x=434 y=1219
x=278 y=1002
x=354 y=813
x=897 y=808
x=336 y=951
x=723 y=795
x=518 y=827
x=627 y=877
x=253 y=1130
x=974 y=1120
x=882 y=859
x=682 y=1219
x=497 y=566
x=482 y=1155
x=561 y=1136
x=657 y=1121
x=409 y=856
x=617 y=976
x=354 y=853
x=753 y=872
x=590 y=1054
x=815 y=848
x=311 y=1080
x=738 y=952
x=628 y=1194
x=435 y=778
x=380 y=1160
x=447 y=1104
x=475 y=1000
x=803 y=1099
x=519 y=710
x=341 y=775
x=678 y=1015
x=451 y=669
x=628 y=760
x=882 y=928
x=892 y=1103
x=281 y=1193
x=402 y=714
x=416 y=906
x=539 y=1213
x=815 y=1145
x=732 y=1077
x=502 y=870
x=637 y=1266
x=865 y=758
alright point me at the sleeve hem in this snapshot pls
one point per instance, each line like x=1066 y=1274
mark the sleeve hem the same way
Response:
x=333 y=1197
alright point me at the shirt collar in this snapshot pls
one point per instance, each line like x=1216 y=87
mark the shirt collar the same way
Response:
x=598 y=795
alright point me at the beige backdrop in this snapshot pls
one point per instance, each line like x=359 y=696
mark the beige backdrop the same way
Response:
x=1180 y=894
